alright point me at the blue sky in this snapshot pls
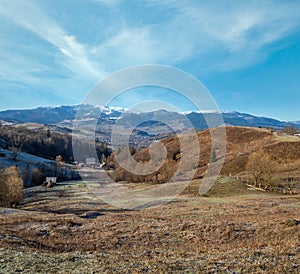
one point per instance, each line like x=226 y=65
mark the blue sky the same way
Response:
x=247 y=53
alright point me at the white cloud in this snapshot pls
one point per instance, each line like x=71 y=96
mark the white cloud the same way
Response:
x=109 y=2
x=223 y=35
x=216 y=35
x=73 y=55
x=238 y=29
x=134 y=46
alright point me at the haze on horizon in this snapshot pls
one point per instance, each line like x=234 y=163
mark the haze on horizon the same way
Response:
x=247 y=54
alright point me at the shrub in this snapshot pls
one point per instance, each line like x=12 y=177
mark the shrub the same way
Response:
x=11 y=186
x=37 y=177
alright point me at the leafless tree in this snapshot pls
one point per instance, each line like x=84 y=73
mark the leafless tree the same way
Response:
x=261 y=167
x=290 y=129
x=17 y=142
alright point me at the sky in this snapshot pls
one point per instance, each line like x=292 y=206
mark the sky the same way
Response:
x=246 y=53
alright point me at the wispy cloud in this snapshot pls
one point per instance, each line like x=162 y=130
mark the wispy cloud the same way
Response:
x=234 y=28
x=221 y=36
x=234 y=32
x=138 y=45
x=69 y=51
x=52 y=46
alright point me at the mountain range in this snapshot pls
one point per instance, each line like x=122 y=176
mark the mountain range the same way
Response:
x=65 y=115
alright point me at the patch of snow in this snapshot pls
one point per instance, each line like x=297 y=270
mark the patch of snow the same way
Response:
x=6 y=123
x=85 y=120
x=204 y=111
x=22 y=159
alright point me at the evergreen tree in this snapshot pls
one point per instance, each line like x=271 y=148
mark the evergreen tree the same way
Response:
x=213 y=156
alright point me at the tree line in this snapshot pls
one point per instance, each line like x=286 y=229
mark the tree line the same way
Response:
x=45 y=143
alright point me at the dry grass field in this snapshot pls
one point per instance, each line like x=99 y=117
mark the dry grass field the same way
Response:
x=241 y=143
x=234 y=230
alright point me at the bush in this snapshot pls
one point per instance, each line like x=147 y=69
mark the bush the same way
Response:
x=37 y=177
x=11 y=187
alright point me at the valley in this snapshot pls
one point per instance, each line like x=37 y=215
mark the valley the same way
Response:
x=99 y=218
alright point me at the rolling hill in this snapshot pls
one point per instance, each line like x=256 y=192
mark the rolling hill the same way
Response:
x=241 y=142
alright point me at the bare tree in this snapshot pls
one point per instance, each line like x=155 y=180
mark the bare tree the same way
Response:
x=290 y=129
x=58 y=160
x=103 y=159
x=17 y=142
x=260 y=166
x=48 y=133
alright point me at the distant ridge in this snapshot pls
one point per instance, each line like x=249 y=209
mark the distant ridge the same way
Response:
x=65 y=115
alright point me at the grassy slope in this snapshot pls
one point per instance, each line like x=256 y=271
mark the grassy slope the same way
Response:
x=248 y=233
x=240 y=143
x=235 y=229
